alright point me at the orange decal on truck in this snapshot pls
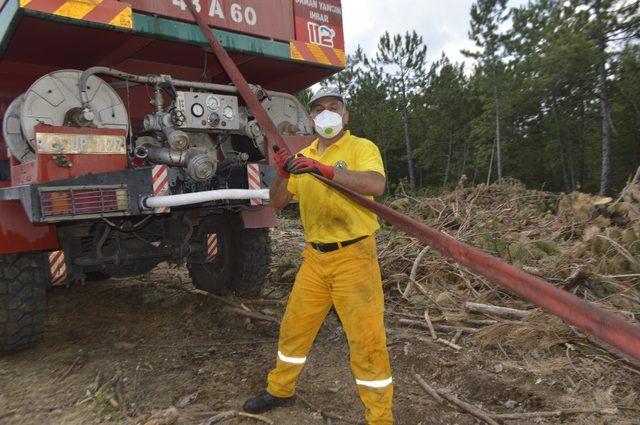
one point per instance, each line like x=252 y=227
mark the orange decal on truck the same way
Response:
x=110 y=12
x=311 y=52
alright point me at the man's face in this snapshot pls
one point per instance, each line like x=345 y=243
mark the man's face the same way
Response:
x=332 y=104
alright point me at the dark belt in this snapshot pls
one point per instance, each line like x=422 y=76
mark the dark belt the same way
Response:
x=328 y=247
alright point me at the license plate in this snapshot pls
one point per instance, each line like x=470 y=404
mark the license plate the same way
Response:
x=57 y=143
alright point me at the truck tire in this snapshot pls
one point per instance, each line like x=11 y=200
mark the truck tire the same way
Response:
x=254 y=259
x=22 y=300
x=242 y=262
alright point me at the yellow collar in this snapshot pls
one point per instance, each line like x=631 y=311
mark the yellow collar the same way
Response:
x=314 y=145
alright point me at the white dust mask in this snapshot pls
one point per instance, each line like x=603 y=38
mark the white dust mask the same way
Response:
x=328 y=124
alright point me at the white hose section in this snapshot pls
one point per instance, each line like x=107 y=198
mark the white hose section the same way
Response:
x=199 y=197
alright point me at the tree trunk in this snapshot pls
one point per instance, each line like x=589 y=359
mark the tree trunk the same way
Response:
x=636 y=177
x=493 y=148
x=385 y=159
x=583 y=145
x=448 y=166
x=465 y=155
x=386 y=169
x=567 y=173
x=498 y=141
x=636 y=109
x=405 y=122
x=605 y=178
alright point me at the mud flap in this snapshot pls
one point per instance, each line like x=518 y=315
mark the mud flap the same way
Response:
x=58 y=273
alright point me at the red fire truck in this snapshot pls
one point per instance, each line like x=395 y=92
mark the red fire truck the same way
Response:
x=125 y=145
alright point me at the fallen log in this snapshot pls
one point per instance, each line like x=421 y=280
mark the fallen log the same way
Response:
x=495 y=310
x=251 y=314
x=438 y=395
x=437 y=327
x=224 y=416
x=428 y=388
x=555 y=413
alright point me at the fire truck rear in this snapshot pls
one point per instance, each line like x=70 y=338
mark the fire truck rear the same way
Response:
x=125 y=145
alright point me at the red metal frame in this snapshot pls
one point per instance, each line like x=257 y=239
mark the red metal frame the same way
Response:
x=43 y=169
x=25 y=61
x=18 y=234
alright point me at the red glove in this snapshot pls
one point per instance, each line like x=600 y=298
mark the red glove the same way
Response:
x=283 y=159
x=302 y=165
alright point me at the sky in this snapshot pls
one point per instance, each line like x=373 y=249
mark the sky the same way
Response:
x=443 y=24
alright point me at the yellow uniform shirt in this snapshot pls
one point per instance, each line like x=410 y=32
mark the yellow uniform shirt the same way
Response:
x=327 y=215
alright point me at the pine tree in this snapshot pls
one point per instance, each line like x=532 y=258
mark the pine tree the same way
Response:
x=403 y=60
x=486 y=18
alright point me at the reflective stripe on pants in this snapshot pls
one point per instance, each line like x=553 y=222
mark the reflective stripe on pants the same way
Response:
x=294 y=360
x=348 y=279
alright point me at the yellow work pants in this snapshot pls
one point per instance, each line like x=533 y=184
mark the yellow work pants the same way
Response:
x=349 y=279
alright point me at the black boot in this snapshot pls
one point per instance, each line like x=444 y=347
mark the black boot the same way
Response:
x=263 y=402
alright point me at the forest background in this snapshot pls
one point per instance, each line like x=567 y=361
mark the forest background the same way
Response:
x=549 y=96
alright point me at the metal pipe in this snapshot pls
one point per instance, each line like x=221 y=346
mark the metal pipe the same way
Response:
x=160 y=155
x=153 y=79
x=156 y=79
x=124 y=258
x=200 y=197
x=200 y=166
x=159 y=98
x=145 y=79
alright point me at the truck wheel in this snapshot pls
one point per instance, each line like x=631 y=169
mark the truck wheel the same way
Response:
x=22 y=300
x=241 y=263
x=254 y=259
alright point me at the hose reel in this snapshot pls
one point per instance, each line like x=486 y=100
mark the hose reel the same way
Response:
x=54 y=99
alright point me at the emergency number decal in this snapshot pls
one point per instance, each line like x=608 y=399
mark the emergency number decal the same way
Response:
x=319 y=22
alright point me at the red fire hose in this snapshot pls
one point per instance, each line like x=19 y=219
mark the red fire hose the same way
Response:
x=595 y=321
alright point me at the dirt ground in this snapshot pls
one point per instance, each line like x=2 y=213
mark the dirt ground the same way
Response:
x=120 y=350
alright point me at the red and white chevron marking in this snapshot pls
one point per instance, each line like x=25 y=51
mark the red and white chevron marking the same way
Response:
x=160 y=180
x=253 y=174
x=212 y=246
x=58 y=268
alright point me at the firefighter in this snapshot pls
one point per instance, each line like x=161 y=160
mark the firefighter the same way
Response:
x=340 y=264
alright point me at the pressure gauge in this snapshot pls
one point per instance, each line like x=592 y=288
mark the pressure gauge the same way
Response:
x=212 y=103
x=228 y=112
x=214 y=119
x=197 y=110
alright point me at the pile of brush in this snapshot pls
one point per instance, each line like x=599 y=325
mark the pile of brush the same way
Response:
x=586 y=244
